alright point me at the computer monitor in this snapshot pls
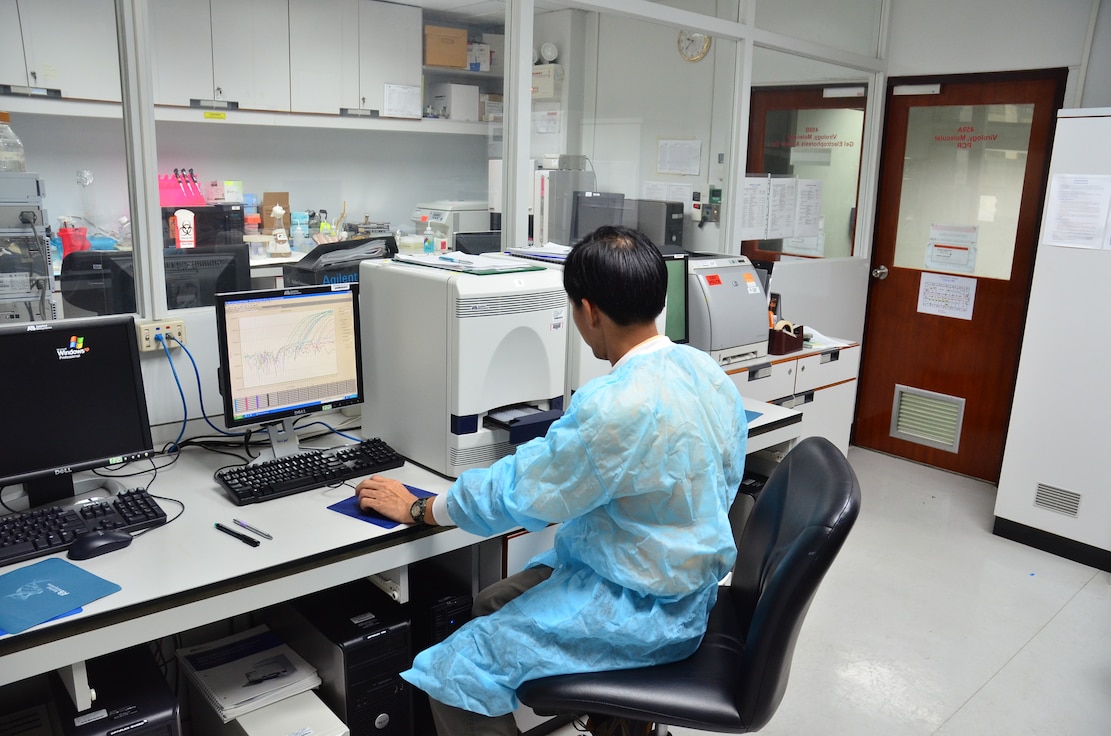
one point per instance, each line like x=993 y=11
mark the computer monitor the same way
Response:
x=285 y=353
x=103 y=281
x=75 y=401
x=676 y=319
x=194 y=276
x=591 y=210
x=486 y=241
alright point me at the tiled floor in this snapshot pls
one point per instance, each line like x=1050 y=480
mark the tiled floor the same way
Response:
x=929 y=624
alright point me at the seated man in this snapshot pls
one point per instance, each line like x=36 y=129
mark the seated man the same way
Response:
x=640 y=472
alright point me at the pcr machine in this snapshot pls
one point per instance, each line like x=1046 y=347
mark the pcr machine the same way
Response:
x=459 y=368
x=728 y=309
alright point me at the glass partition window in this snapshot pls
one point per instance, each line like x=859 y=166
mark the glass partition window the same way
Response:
x=848 y=25
x=806 y=131
x=638 y=114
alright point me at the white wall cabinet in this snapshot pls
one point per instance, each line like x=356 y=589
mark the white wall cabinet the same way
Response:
x=250 y=53
x=182 y=51
x=391 y=51
x=65 y=45
x=234 y=51
x=323 y=77
x=819 y=383
x=369 y=44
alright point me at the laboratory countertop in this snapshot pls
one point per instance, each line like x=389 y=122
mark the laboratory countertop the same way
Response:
x=187 y=573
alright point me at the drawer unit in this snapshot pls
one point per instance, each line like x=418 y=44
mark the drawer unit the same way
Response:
x=827 y=368
x=819 y=383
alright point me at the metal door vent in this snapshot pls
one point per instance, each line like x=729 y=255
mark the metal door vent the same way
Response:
x=927 y=418
x=1057 y=499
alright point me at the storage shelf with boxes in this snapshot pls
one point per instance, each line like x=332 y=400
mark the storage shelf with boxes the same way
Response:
x=462 y=74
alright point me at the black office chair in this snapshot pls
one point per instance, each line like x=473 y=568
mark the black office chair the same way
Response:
x=735 y=680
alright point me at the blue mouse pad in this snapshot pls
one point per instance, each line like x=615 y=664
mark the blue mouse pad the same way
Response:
x=74 y=612
x=350 y=507
x=37 y=593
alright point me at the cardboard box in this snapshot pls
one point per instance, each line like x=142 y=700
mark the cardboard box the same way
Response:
x=459 y=101
x=223 y=191
x=445 y=47
x=478 y=57
x=269 y=199
x=490 y=108
x=547 y=82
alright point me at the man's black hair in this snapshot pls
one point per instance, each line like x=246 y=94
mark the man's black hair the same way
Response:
x=619 y=271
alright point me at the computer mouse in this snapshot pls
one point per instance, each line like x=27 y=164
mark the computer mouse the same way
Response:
x=94 y=544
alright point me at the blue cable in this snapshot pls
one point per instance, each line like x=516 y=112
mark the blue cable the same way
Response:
x=200 y=393
x=333 y=430
x=184 y=406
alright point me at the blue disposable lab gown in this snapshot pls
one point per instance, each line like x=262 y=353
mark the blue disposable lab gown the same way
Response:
x=641 y=470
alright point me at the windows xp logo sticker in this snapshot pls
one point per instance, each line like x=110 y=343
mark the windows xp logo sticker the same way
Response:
x=76 y=349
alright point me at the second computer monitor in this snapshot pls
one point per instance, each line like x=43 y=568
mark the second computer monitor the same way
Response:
x=675 y=307
x=288 y=352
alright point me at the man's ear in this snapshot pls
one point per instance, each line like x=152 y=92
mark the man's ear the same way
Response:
x=593 y=316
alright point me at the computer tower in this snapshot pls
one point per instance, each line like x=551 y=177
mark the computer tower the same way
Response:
x=132 y=697
x=661 y=222
x=359 y=640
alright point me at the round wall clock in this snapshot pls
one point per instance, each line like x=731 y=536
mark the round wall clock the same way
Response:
x=693 y=45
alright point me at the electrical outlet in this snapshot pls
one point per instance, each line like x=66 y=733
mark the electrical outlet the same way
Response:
x=148 y=332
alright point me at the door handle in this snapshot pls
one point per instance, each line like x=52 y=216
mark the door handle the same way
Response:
x=880 y=272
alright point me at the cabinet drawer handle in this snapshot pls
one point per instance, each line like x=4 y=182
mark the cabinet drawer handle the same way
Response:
x=760 y=371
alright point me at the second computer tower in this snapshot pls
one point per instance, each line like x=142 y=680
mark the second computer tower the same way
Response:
x=359 y=640
x=662 y=222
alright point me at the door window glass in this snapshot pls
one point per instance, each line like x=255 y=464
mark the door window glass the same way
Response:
x=962 y=187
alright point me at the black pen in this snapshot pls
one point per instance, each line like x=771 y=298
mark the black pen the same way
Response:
x=241 y=537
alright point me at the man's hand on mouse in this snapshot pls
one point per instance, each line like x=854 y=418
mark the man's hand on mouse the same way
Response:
x=386 y=496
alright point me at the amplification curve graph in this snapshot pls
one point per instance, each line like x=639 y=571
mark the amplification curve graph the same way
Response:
x=290 y=346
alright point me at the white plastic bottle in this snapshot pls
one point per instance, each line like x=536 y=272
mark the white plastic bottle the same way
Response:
x=11 y=148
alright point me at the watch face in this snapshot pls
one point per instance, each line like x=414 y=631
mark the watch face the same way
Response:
x=693 y=45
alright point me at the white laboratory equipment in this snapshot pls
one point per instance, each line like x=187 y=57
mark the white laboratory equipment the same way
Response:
x=448 y=217
x=460 y=368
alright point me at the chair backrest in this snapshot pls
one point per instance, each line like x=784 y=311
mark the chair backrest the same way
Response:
x=796 y=528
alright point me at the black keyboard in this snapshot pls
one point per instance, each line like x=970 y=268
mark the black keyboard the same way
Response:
x=284 y=476
x=44 y=531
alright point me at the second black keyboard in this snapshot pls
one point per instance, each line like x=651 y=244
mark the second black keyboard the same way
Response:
x=285 y=476
x=43 y=531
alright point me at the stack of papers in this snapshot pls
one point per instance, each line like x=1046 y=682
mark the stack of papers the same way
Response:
x=548 y=252
x=246 y=671
x=478 y=264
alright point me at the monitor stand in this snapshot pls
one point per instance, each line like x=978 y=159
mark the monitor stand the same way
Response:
x=283 y=441
x=62 y=489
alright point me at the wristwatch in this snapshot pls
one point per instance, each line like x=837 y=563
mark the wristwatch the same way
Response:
x=417 y=510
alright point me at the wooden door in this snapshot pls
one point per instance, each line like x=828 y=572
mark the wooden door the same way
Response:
x=962 y=182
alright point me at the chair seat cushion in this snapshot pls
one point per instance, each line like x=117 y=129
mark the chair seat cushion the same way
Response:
x=697 y=692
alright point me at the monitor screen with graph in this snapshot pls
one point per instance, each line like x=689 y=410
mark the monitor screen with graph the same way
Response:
x=288 y=352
